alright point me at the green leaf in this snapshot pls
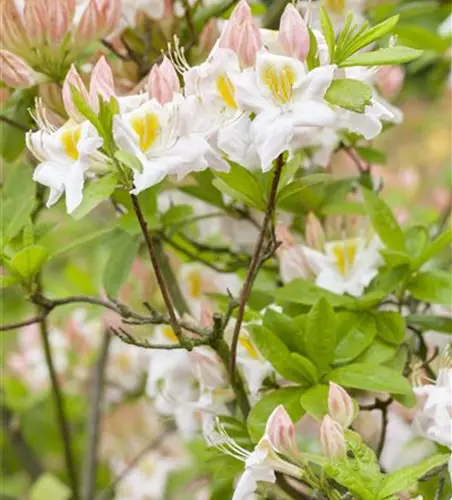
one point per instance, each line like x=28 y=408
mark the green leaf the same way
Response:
x=176 y=214
x=349 y=94
x=320 y=335
x=86 y=110
x=377 y=353
x=296 y=187
x=6 y=281
x=369 y=36
x=49 y=486
x=439 y=244
x=432 y=286
x=289 y=397
x=129 y=160
x=312 y=59
x=394 y=258
x=285 y=328
x=305 y=367
x=436 y=323
x=418 y=37
x=371 y=155
x=370 y=377
x=304 y=292
x=391 y=327
x=241 y=184
x=275 y=351
x=328 y=31
x=119 y=263
x=28 y=262
x=393 y=55
x=403 y=479
x=384 y=221
x=98 y=191
x=359 y=338
x=315 y=401
x=83 y=240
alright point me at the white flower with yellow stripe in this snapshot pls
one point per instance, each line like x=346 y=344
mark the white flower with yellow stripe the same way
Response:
x=345 y=266
x=64 y=156
x=287 y=100
x=161 y=137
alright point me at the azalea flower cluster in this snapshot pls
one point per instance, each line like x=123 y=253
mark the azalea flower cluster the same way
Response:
x=253 y=99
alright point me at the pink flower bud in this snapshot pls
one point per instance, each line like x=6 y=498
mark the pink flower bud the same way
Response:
x=284 y=235
x=206 y=315
x=99 y=19
x=241 y=13
x=390 y=80
x=315 y=237
x=35 y=20
x=230 y=36
x=15 y=72
x=208 y=36
x=58 y=18
x=332 y=438
x=293 y=33
x=13 y=35
x=158 y=86
x=340 y=405
x=169 y=73
x=248 y=44
x=102 y=83
x=280 y=431
x=73 y=80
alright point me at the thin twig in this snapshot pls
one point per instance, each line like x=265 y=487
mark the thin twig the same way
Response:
x=20 y=324
x=27 y=456
x=93 y=423
x=158 y=274
x=14 y=124
x=249 y=280
x=113 y=50
x=351 y=154
x=60 y=411
x=383 y=406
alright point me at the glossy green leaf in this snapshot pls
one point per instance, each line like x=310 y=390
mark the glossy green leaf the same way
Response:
x=48 y=487
x=438 y=245
x=305 y=367
x=393 y=55
x=315 y=401
x=97 y=191
x=432 y=286
x=285 y=328
x=436 y=323
x=384 y=221
x=349 y=94
x=28 y=262
x=289 y=397
x=328 y=31
x=129 y=160
x=403 y=479
x=391 y=326
x=371 y=378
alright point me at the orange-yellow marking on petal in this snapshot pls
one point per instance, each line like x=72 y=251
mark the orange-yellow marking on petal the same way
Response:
x=69 y=140
x=279 y=81
x=226 y=90
x=248 y=346
x=345 y=254
x=169 y=334
x=147 y=129
x=336 y=6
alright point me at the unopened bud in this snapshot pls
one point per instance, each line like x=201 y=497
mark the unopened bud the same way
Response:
x=15 y=72
x=58 y=17
x=332 y=438
x=73 y=80
x=280 y=431
x=241 y=13
x=248 y=44
x=169 y=73
x=208 y=36
x=35 y=20
x=229 y=36
x=101 y=84
x=206 y=315
x=294 y=34
x=340 y=405
x=158 y=87
x=99 y=19
x=315 y=237
x=13 y=35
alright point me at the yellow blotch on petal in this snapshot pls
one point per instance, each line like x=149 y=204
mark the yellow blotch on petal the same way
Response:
x=336 y=6
x=249 y=348
x=69 y=140
x=227 y=91
x=194 y=284
x=169 y=334
x=147 y=128
x=345 y=254
x=280 y=82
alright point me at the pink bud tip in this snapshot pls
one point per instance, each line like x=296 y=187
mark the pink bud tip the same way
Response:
x=73 y=79
x=293 y=33
x=158 y=86
x=15 y=72
x=13 y=35
x=332 y=438
x=248 y=44
x=102 y=83
x=169 y=73
x=315 y=237
x=390 y=80
x=241 y=13
x=340 y=405
x=280 y=431
x=99 y=19
x=58 y=18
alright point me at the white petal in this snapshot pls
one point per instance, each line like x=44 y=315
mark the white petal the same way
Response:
x=362 y=123
x=313 y=114
x=248 y=94
x=316 y=260
x=316 y=82
x=74 y=186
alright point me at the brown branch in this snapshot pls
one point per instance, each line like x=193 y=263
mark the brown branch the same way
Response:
x=155 y=264
x=20 y=324
x=13 y=123
x=255 y=262
x=93 y=423
x=383 y=406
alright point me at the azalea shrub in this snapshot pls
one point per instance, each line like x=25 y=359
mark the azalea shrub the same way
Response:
x=198 y=301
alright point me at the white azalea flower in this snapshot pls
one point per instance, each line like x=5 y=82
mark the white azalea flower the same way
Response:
x=286 y=99
x=260 y=464
x=155 y=9
x=64 y=157
x=337 y=10
x=345 y=266
x=160 y=137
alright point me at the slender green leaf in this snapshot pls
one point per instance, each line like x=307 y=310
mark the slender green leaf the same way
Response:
x=349 y=94
x=436 y=323
x=328 y=31
x=315 y=401
x=438 y=245
x=98 y=191
x=28 y=262
x=393 y=55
